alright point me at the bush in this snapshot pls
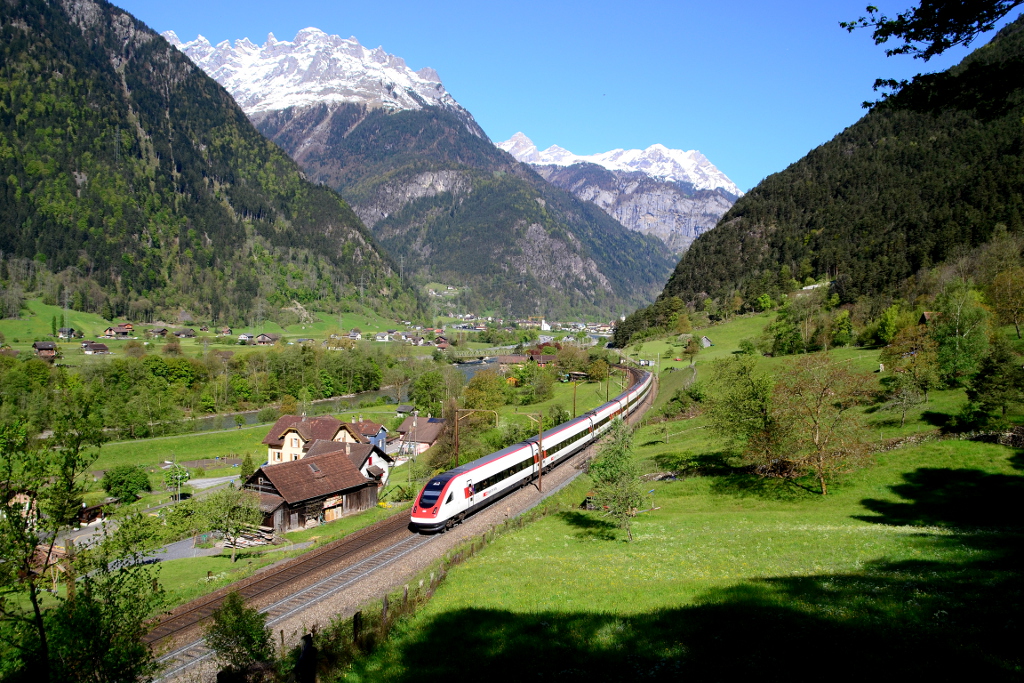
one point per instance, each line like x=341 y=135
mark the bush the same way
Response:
x=126 y=482
x=239 y=634
x=268 y=414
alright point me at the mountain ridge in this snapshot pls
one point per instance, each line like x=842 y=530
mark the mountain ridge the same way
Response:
x=924 y=177
x=431 y=186
x=142 y=185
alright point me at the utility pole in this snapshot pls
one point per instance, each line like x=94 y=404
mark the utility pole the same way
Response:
x=539 y=419
x=574 y=382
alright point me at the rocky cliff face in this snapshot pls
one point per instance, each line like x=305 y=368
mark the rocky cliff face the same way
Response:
x=434 y=190
x=671 y=194
x=674 y=212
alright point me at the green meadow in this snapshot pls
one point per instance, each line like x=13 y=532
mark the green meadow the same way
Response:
x=909 y=569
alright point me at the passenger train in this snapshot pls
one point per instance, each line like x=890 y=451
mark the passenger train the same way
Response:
x=450 y=497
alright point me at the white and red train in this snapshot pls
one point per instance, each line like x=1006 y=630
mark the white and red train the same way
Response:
x=450 y=497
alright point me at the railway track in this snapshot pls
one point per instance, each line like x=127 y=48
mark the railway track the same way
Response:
x=194 y=652
x=325 y=571
x=255 y=587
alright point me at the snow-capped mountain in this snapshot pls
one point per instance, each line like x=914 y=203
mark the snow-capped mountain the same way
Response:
x=657 y=161
x=668 y=193
x=314 y=68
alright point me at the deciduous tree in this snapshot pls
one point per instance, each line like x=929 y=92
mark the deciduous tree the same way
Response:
x=239 y=634
x=961 y=332
x=231 y=511
x=816 y=398
x=1007 y=296
x=914 y=352
x=126 y=482
x=742 y=408
x=616 y=478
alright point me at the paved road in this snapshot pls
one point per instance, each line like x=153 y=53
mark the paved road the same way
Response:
x=202 y=484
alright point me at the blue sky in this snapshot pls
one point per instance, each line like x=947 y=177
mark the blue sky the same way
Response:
x=754 y=85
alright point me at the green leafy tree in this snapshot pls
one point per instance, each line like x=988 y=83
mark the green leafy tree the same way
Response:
x=53 y=326
x=231 y=511
x=126 y=482
x=999 y=382
x=289 y=406
x=902 y=394
x=742 y=407
x=486 y=390
x=428 y=392
x=616 y=478
x=913 y=353
x=1007 y=296
x=93 y=631
x=817 y=397
x=842 y=329
x=692 y=349
x=247 y=468
x=96 y=634
x=597 y=371
x=240 y=420
x=239 y=634
x=888 y=324
x=961 y=332
x=763 y=302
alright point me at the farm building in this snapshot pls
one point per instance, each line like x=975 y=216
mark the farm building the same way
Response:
x=303 y=493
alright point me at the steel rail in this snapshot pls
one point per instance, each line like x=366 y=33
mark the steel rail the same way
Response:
x=195 y=651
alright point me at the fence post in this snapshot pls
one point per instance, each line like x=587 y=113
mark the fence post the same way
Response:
x=357 y=627
x=384 y=613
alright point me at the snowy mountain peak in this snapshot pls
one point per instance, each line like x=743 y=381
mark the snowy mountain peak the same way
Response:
x=657 y=161
x=314 y=68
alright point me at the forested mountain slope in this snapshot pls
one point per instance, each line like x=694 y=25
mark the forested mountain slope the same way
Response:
x=457 y=209
x=922 y=177
x=137 y=178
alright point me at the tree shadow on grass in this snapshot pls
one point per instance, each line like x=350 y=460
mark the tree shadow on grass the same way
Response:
x=952 y=498
x=590 y=526
x=747 y=484
x=944 y=421
x=889 y=623
x=908 y=620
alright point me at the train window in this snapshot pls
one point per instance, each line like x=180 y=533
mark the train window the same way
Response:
x=450 y=496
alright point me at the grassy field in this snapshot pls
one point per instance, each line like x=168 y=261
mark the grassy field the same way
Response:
x=189 y=578
x=149 y=452
x=909 y=568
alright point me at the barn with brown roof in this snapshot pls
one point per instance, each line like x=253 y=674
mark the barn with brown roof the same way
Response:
x=370 y=459
x=303 y=493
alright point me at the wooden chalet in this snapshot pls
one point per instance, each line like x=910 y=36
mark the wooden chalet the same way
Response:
x=267 y=339
x=45 y=350
x=94 y=348
x=187 y=333
x=303 y=493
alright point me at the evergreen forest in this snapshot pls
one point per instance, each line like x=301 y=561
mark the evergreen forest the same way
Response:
x=137 y=182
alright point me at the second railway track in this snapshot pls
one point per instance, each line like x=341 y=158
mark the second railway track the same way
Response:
x=294 y=586
x=184 y=619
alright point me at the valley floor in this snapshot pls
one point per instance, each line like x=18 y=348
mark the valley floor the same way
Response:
x=909 y=568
